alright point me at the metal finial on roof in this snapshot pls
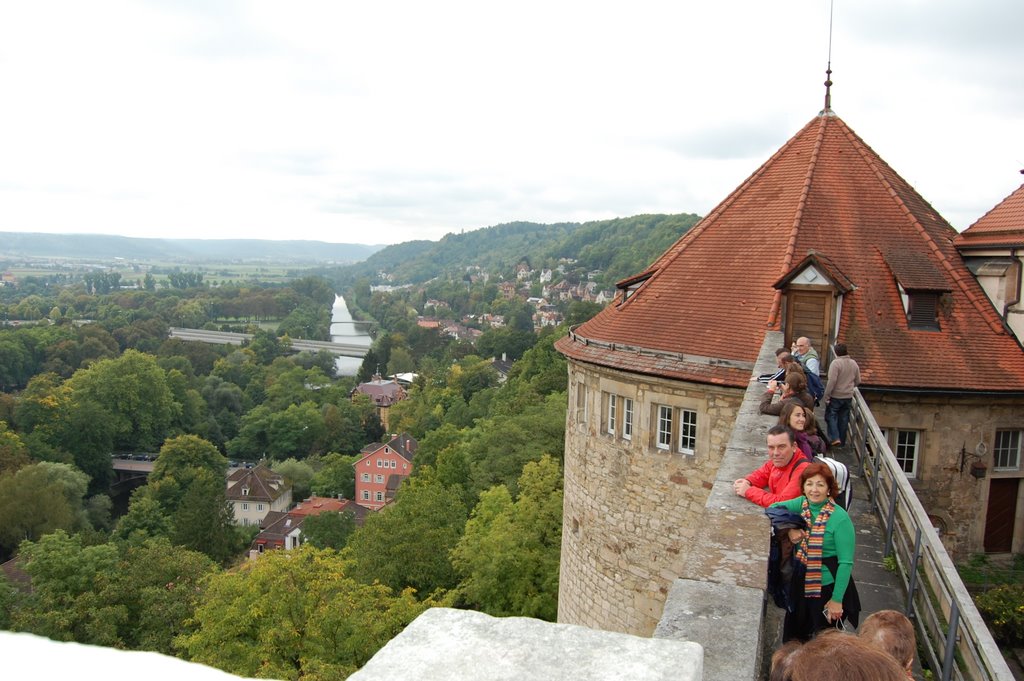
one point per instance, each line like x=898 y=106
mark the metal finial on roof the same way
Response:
x=827 y=111
x=828 y=89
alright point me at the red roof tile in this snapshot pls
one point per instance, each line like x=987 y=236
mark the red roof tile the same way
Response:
x=703 y=313
x=1001 y=226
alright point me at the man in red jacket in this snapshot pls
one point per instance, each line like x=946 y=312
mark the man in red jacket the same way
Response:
x=780 y=474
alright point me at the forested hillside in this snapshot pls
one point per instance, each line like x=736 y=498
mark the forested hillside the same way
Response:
x=619 y=248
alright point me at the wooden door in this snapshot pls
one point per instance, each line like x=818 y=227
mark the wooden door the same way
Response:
x=809 y=313
x=1002 y=511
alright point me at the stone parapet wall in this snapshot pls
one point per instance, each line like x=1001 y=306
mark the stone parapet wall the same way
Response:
x=454 y=645
x=632 y=512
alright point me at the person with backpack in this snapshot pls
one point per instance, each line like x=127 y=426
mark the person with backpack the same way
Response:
x=806 y=355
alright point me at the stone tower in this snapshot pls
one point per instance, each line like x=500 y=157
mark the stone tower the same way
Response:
x=824 y=240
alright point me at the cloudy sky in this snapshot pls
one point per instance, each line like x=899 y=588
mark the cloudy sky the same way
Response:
x=382 y=122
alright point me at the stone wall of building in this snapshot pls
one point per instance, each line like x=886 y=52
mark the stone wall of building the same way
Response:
x=631 y=509
x=956 y=500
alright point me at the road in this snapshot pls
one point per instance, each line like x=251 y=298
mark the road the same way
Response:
x=228 y=338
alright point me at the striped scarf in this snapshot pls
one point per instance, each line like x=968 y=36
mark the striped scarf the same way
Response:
x=808 y=551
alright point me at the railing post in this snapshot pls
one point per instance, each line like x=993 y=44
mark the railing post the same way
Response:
x=890 y=520
x=875 y=482
x=954 y=624
x=909 y=610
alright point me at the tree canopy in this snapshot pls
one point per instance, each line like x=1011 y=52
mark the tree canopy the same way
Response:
x=295 y=615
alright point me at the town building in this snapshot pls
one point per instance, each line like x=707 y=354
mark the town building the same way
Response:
x=381 y=468
x=824 y=240
x=993 y=249
x=255 y=492
x=280 y=530
x=383 y=393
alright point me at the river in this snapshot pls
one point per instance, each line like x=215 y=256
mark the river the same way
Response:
x=344 y=329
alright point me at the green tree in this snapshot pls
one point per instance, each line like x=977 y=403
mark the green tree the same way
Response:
x=295 y=431
x=499 y=446
x=329 y=530
x=159 y=586
x=293 y=615
x=133 y=388
x=13 y=452
x=65 y=576
x=204 y=521
x=145 y=519
x=335 y=477
x=39 y=499
x=266 y=346
x=182 y=457
x=343 y=427
x=406 y=544
x=140 y=598
x=508 y=557
x=298 y=473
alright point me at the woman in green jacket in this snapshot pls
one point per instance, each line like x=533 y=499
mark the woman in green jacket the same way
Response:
x=825 y=552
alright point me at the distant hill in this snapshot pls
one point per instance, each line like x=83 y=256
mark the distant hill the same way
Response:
x=103 y=247
x=620 y=248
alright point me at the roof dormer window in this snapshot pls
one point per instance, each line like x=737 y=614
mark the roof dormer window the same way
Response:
x=245 y=491
x=923 y=310
x=630 y=286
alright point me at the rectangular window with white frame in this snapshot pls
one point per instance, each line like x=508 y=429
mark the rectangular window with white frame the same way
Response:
x=627 y=418
x=1006 y=453
x=687 y=431
x=908 y=444
x=611 y=422
x=664 y=430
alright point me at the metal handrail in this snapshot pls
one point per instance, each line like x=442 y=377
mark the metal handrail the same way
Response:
x=951 y=633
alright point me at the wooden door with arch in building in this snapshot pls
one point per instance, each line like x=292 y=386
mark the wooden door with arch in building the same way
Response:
x=809 y=313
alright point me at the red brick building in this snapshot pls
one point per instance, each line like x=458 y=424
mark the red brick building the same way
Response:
x=381 y=469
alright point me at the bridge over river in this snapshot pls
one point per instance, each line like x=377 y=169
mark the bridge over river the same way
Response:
x=228 y=338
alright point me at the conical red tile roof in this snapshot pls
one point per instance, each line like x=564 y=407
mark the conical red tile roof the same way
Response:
x=702 y=313
x=1003 y=226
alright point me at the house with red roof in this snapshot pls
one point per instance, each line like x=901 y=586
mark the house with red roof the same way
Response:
x=284 y=530
x=993 y=249
x=381 y=469
x=824 y=240
x=255 y=492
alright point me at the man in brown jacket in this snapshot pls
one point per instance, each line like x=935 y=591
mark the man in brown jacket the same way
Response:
x=843 y=379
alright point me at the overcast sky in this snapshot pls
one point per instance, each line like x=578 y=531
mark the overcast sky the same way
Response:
x=382 y=122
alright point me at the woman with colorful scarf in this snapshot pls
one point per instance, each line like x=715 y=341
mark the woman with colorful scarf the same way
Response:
x=825 y=553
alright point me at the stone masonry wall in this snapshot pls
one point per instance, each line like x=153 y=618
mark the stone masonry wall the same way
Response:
x=956 y=501
x=631 y=511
